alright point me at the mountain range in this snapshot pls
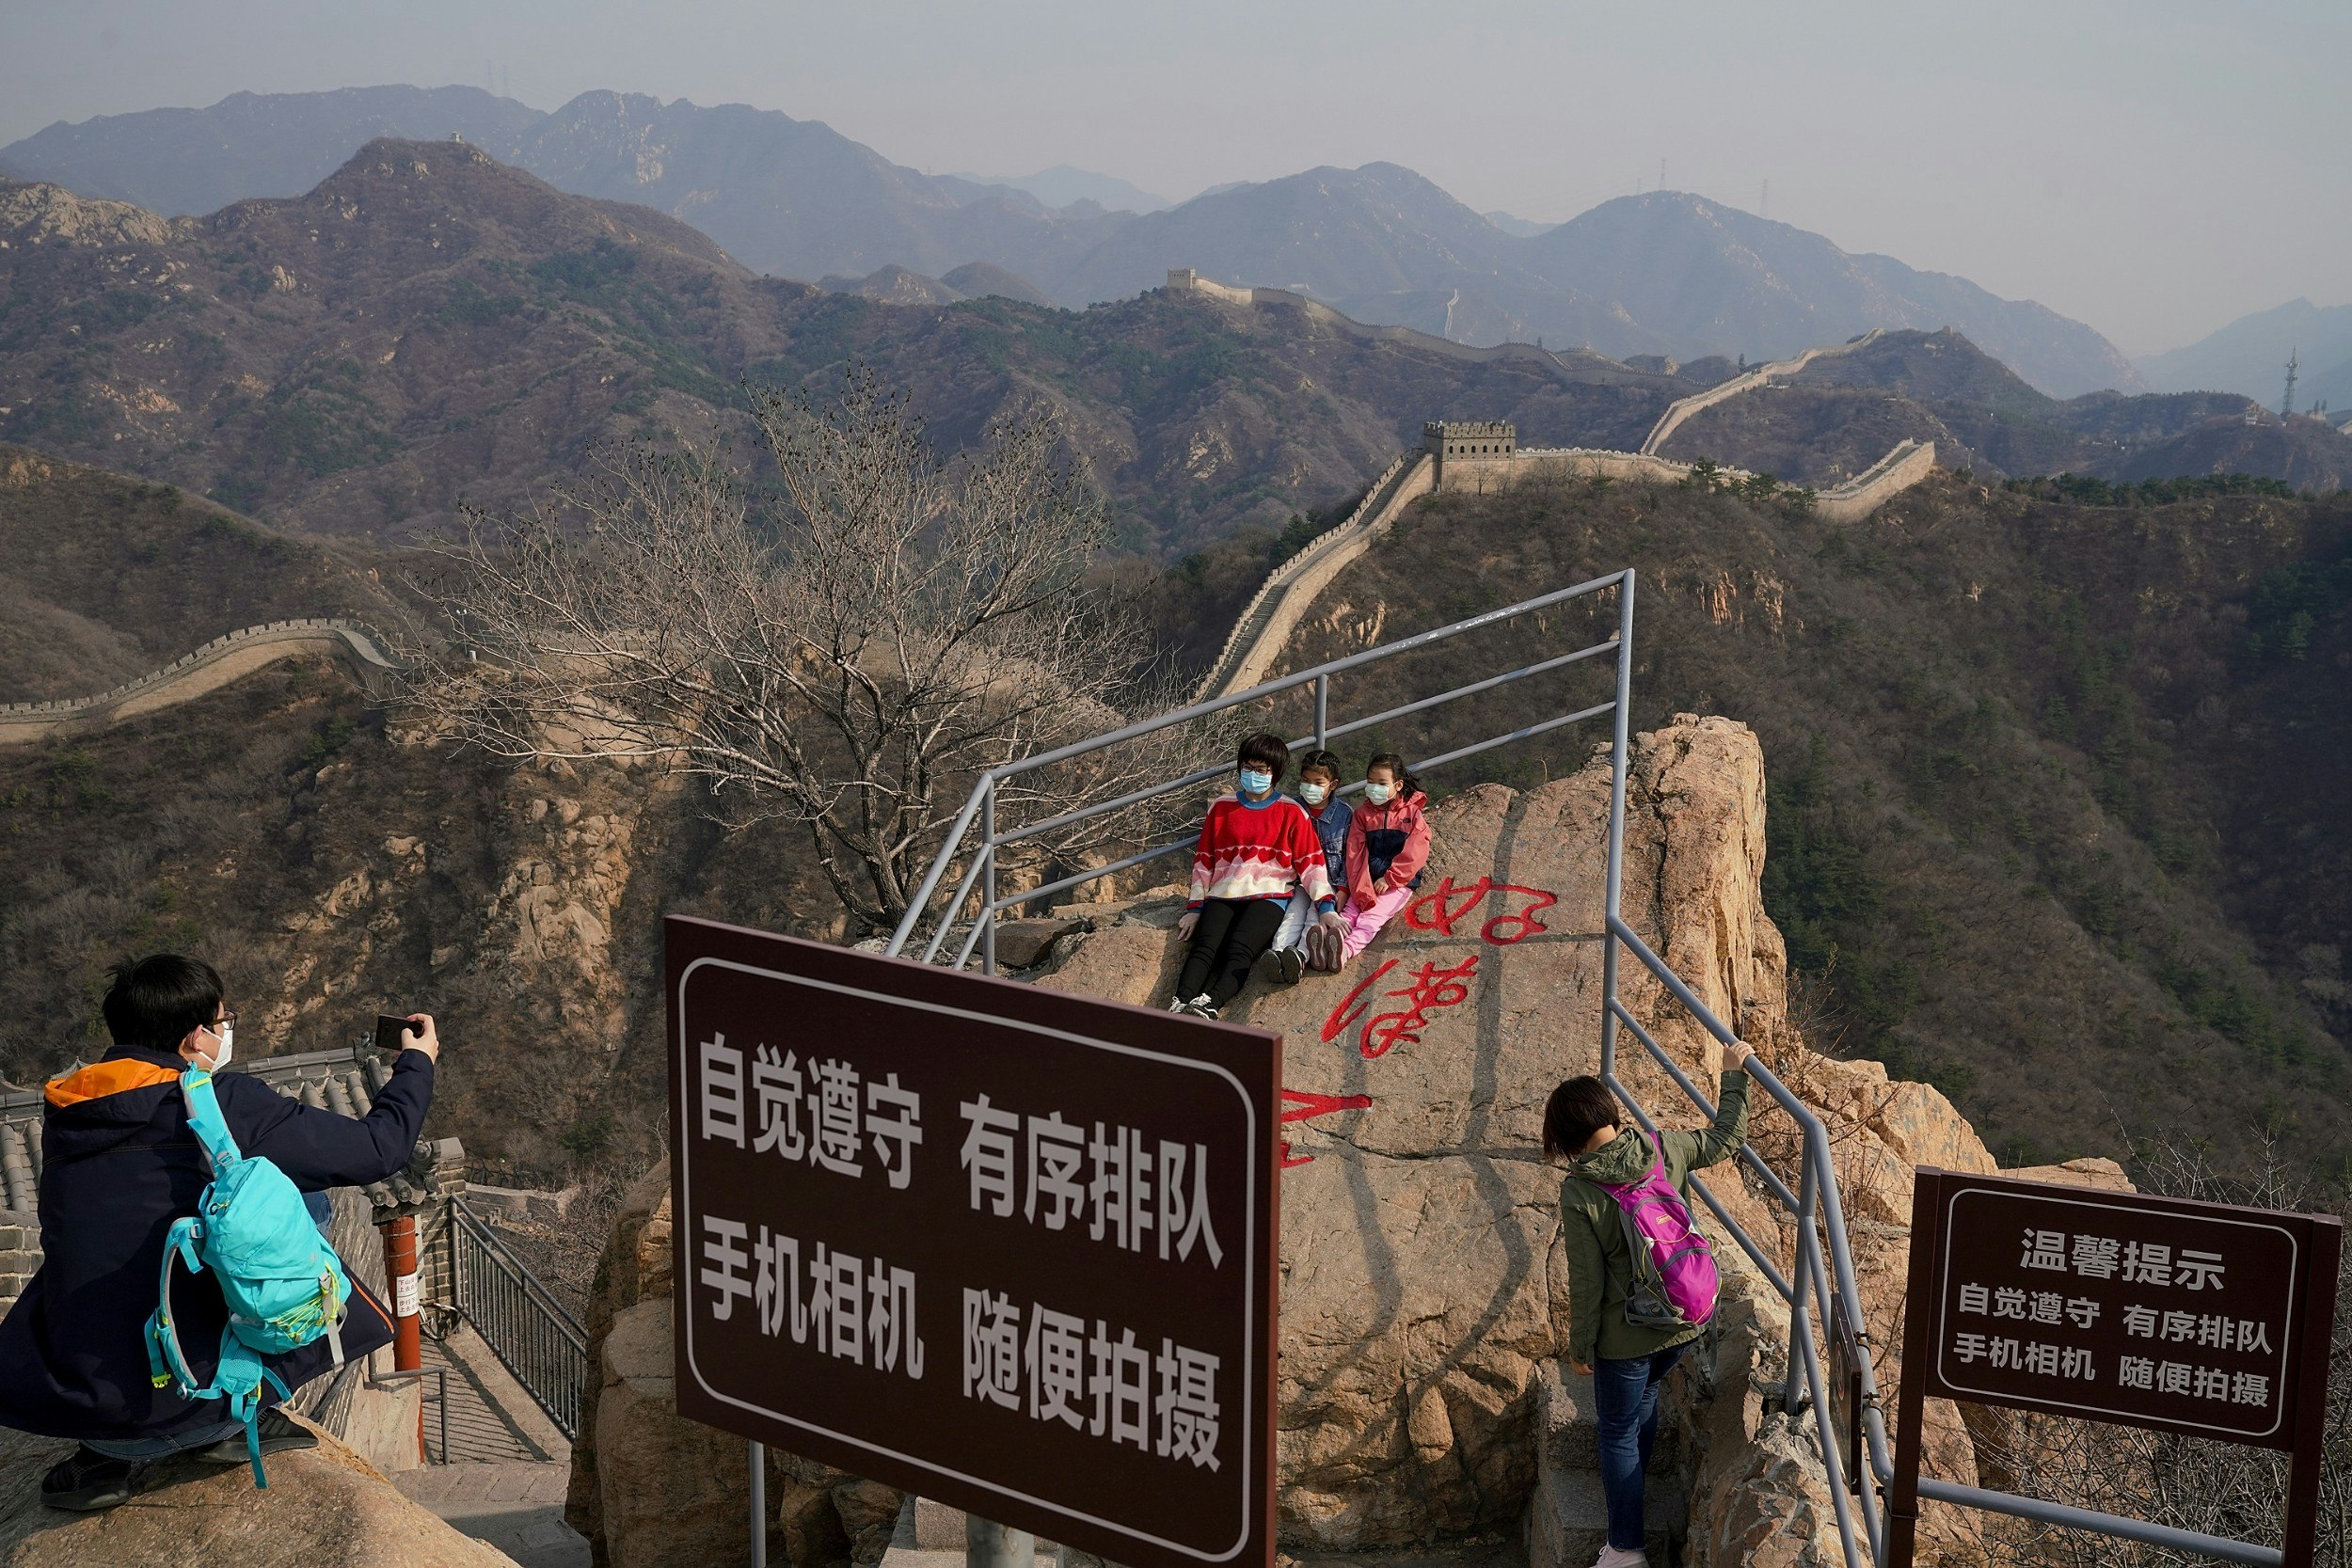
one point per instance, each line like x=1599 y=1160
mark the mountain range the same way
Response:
x=428 y=328
x=1666 y=273
x=2250 y=355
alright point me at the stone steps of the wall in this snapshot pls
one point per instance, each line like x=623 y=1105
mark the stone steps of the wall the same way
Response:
x=1567 y=1520
x=930 y=1535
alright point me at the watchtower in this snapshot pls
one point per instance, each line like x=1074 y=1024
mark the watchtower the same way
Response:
x=1468 y=451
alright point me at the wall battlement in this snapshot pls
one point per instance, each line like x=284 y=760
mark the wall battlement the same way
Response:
x=206 y=669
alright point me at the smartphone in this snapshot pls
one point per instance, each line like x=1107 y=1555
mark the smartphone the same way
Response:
x=388 y=1031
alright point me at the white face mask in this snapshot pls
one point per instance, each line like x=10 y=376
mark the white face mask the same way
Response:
x=1313 y=793
x=226 y=1050
x=1378 y=793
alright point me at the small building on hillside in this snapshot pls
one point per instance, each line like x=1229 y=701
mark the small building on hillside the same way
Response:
x=1469 y=452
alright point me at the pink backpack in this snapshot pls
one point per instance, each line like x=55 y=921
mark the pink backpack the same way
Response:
x=1673 y=1270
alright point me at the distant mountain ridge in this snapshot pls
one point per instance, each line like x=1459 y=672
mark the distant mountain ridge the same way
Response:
x=1667 y=272
x=1064 y=186
x=2250 y=355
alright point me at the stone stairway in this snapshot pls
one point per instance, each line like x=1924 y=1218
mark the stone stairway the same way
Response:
x=930 y=1535
x=503 y=1479
x=1567 y=1522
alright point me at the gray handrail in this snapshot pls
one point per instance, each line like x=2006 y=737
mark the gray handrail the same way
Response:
x=1318 y=675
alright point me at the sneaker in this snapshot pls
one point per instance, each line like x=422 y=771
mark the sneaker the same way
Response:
x=1290 y=963
x=279 y=1433
x=1617 y=1557
x=88 y=1480
x=1199 y=1007
x=1179 y=1005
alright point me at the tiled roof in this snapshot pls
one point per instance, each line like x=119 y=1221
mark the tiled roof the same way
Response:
x=344 y=1082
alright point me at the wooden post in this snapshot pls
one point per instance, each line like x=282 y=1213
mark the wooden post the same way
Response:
x=2315 y=1340
x=1919 y=1308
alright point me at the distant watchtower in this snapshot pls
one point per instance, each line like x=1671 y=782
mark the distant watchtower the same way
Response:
x=1469 y=449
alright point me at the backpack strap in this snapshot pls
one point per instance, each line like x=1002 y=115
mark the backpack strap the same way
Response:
x=206 y=1121
x=165 y=1361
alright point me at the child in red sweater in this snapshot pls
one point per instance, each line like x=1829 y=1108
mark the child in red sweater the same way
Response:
x=1257 y=847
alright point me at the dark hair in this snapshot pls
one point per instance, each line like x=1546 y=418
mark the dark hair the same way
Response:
x=1407 y=785
x=1270 y=751
x=156 y=1000
x=1324 y=760
x=1577 y=1110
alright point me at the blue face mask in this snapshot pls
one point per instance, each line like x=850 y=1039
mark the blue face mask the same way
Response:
x=1256 y=780
x=1313 y=793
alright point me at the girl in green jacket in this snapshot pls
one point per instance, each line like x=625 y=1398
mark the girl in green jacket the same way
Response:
x=1625 y=1361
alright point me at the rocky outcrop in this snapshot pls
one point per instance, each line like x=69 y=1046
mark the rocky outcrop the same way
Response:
x=652 y=1491
x=325 y=1508
x=1423 y=1287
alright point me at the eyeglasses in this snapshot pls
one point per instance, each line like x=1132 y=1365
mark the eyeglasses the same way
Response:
x=228 y=1019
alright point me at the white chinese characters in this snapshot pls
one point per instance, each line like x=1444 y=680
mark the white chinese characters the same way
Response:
x=1058 y=1369
x=1135 y=1191
x=819 y=1112
x=850 y=1309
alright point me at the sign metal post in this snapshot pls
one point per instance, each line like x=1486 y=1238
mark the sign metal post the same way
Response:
x=1002 y=1247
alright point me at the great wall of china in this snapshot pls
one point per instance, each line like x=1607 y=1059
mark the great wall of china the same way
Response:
x=208 y=669
x=1474 y=457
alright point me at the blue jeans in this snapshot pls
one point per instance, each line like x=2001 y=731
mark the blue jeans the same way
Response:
x=163 y=1448
x=1625 y=1416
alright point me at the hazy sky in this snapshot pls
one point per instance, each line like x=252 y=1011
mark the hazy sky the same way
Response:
x=2153 y=168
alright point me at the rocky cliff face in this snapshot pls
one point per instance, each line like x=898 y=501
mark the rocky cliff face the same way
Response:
x=1423 y=1289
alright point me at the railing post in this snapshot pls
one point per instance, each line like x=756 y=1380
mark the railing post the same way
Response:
x=1323 y=712
x=1619 y=759
x=988 y=881
x=1808 y=1195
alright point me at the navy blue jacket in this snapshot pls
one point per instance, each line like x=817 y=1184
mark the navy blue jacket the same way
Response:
x=120 y=1163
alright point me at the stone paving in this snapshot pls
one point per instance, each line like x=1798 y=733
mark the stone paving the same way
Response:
x=507 y=1466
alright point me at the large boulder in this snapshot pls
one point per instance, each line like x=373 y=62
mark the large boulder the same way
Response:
x=651 y=1490
x=1423 y=1287
x=324 y=1508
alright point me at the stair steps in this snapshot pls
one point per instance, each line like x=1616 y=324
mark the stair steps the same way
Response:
x=1568 y=1519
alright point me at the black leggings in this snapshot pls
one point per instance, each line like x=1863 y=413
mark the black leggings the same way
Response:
x=1230 y=937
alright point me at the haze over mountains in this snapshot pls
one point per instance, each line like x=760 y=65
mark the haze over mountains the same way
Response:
x=428 y=327
x=1667 y=272
x=2250 y=355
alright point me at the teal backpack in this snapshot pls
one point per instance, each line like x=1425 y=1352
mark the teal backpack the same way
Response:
x=283 y=1284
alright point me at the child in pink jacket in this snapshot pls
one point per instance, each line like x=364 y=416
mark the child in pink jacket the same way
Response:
x=1388 y=844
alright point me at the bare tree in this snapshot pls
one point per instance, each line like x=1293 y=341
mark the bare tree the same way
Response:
x=845 y=650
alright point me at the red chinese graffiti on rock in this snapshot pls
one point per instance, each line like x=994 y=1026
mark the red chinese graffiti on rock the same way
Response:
x=1439 y=908
x=1428 y=989
x=1303 y=1106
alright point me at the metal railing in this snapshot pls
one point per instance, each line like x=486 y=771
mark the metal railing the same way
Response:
x=534 y=1339
x=1820 y=1281
x=983 y=862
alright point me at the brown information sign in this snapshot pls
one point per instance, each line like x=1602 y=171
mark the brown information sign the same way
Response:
x=1010 y=1249
x=2202 y=1318
x=2120 y=1307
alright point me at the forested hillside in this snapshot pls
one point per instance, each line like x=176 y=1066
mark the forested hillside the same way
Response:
x=2055 y=789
